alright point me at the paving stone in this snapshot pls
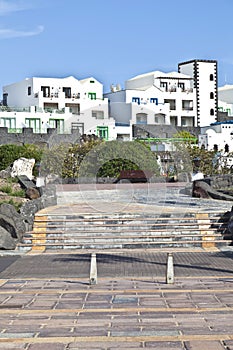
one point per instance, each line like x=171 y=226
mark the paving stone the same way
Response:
x=44 y=346
x=55 y=332
x=165 y=345
x=204 y=345
x=104 y=345
x=228 y=344
x=89 y=331
x=145 y=333
x=17 y=335
x=7 y=346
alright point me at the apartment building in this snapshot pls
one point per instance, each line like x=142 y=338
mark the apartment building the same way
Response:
x=187 y=98
x=155 y=98
x=61 y=103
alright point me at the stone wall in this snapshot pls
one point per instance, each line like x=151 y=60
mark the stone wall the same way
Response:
x=162 y=131
x=27 y=136
x=13 y=225
x=219 y=181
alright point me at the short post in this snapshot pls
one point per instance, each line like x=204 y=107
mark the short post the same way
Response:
x=93 y=269
x=170 y=269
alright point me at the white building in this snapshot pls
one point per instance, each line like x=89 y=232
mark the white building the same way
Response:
x=225 y=99
x=62 y=103
x=217 y=136
x=155 y=98
x=204 y=74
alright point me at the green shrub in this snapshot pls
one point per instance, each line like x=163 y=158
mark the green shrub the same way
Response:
x=11 y=192
x=6 y=189
x=10 y=153
x=17 y=205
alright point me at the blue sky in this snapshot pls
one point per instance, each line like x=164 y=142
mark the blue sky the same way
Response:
x=112 y=40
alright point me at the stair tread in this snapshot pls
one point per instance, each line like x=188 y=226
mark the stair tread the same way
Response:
x=134 y=243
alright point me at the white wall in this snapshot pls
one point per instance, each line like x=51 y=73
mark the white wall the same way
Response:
x=219 y=134
x=205 y=87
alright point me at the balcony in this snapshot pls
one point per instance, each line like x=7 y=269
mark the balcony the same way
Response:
x=172 y=89
x=190 y=90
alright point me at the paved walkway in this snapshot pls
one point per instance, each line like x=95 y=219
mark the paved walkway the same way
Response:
x=131 y=198
x=46 y=301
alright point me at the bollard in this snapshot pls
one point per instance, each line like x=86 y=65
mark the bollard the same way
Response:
x=170 y=269
x=93 y=269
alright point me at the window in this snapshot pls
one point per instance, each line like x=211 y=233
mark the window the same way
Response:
x=29 y=90
x=98 y=114
x=102 y=132
x=163 y=84
x=67 y=91
x=181 y=86
x=57 y=124
x=9 y=123
x=141 y=118
x=92 y=81
x=211 y=77
x=173 y=120
x=136 y=100
x=172 y=104
x=211 y=95
x=212 y=111
x=4 y=101
x=92 y=95
x=154 y=100
x=46 y=91
x=33 y=123
x=187 y=105
x=226 y=148
x=78 y=126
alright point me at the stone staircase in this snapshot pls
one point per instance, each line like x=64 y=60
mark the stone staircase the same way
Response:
x=97 y=232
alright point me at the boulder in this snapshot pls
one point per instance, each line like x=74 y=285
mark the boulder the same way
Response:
x=32 y=193
x=23 y=166
x=12 y=221
x=28 y=211
x=6 y=240
x=202 y=190
x=6 y=173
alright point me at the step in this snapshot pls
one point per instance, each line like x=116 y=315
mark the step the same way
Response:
x=129 y=246
x=128 y=231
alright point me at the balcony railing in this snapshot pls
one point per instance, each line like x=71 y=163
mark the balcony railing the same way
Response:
x=57 y=95
x=14 y=109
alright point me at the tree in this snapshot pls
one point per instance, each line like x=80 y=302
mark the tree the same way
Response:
x=109 y=158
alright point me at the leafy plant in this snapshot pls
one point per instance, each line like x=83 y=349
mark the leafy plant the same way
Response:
x=11 y=192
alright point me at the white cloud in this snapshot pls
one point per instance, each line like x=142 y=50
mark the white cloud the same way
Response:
x=7 y=7
x=11 y=33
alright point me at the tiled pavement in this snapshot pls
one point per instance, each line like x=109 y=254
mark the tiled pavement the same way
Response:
x=60 y=312
x=46 y=301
